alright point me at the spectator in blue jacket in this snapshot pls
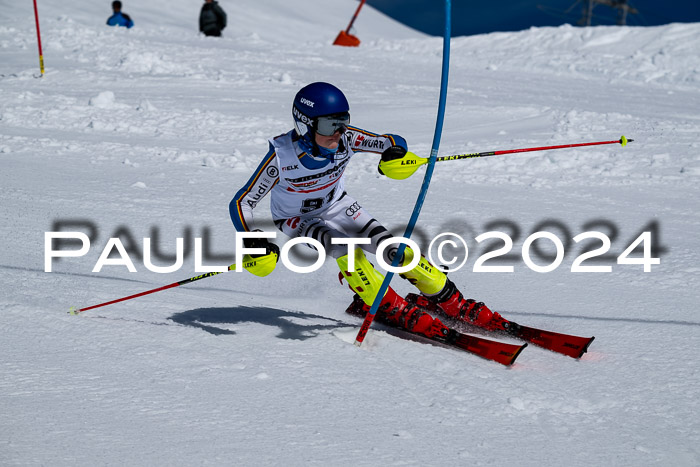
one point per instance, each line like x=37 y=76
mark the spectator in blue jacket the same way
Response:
x=118 y=18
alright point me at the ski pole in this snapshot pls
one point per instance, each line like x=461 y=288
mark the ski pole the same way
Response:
x=75 y=310
x=405 y=167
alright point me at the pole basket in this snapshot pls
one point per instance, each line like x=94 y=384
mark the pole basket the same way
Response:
x=346 y=40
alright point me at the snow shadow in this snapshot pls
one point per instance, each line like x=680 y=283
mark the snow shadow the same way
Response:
x=292 y=324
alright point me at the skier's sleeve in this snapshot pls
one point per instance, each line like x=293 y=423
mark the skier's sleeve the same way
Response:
x=365 y=141
x=256 y=188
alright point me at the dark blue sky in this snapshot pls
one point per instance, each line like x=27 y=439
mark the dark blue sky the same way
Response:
x=479 y=16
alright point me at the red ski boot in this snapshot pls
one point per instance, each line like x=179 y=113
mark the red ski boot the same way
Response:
x=395 y=311
x=451 y=302
x=365 y=281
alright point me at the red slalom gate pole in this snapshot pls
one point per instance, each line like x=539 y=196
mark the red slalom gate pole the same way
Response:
x=354 y=17
x=344 y=37
x=38 y=36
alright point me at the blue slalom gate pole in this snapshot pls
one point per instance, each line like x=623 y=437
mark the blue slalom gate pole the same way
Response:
x=426 y=180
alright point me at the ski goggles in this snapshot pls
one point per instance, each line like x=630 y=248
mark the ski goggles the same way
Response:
x=328 y=125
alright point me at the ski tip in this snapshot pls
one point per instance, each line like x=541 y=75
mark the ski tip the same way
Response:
x=516 y=354
x=585 y=347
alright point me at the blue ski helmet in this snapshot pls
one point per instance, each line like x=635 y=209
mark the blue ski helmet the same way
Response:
x=313 y=101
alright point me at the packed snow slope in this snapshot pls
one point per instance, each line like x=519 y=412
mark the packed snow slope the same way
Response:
x=149 y=132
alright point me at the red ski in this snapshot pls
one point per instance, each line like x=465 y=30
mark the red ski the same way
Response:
x=500 y=352
x=573 y=346
x=496 y=351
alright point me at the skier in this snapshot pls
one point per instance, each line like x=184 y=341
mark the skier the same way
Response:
x=304 y=172
x=118 y=18
x=212 y=19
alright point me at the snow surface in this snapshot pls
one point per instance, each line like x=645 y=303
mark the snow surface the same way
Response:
x=150 y=131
